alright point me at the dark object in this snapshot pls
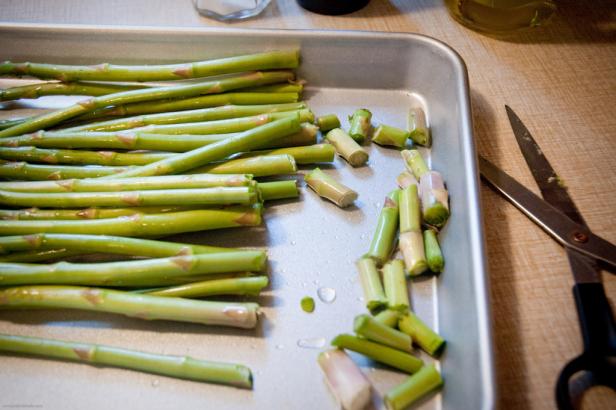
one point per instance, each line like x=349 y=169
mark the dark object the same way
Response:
x=333 y=7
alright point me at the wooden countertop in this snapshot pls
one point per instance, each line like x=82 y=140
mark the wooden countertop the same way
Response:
x=560 y=79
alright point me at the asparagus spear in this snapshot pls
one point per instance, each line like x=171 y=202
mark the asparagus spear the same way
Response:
x=214 y=100
x=153 y=197
x=296 y=87
x=75 y=88
x=414 y=162
x=66 y=156
x=183 y=367
x=345 y=379
x=278 y=190
x=385 y=234
x=405 y=179
x=388 y=135
x=329 y=188
x=8 y=123
x=394 y=282
x=250 y=286
x=111 y=72
x=144 y=272
x=370 y=280
x=198 y=115
x=36 y=172
x=243 y=315
x=105 y=244
x=419 y=131
x=347 y=147
x=131 y=184
x=411 y=239
x=87 y=213
x=142 y=225
x=433 y=251
x=371 y=329
x=307 y=135
x=421 y=334
x=328 y=122
x=388 y=317
x=384 y=354
x=155 y=93
x=309 y=154
x=415 y=387
x=360 y=125
x=39 y=256
x=248 y=140
x=257 y=166
x=434 y=199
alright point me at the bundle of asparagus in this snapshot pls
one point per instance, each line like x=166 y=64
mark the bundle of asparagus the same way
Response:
x=201 y=145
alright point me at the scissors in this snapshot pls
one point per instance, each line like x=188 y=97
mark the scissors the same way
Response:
x=557 y=214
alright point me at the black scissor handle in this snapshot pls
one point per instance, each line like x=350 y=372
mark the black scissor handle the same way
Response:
x=599 y=334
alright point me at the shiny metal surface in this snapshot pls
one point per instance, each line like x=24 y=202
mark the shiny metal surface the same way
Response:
x=312 y=244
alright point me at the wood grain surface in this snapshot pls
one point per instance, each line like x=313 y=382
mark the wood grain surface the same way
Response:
x=560 y=79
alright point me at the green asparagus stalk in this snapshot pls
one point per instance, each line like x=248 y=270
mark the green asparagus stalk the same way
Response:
x=329 y=188
x=262 y=166
x=278 y=88
x=278 y=190
x=422 y=335
x=243 y=315
x=66 y=156
x=370 y=280
x=388 y=135
x=144 y=272
x=87 y=213
x=183 y=367
x=307 y=135
x=105 y=244
x=4 y=124
x=310 y=154
x=131 y=184
x=148 y=94
x=414 y=162
x=411 y=240
x=199 y=115
x=434 y=199
x=394 y=282
x=371 y=329
x=39 y=256
x=139 y=225
x=405 y=179
x=383 y=354
x=417 y=124
x=248 y=286
x=111 y=72
x=433 y=251
x=350 y=386
x=35 y=172
x=246 y=141
x=328 y=122
x=418 y=385
x=214 y=100
x=388 y=317
x=346 y=147
x=360 y=125
x=75 y=88
x=385 y=234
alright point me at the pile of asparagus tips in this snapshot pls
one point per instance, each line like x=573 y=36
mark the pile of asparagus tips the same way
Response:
x=135 y=161
x=411 y=216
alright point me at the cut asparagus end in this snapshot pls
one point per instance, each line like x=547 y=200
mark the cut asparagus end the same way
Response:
x=406 y=179
x=424 y=337
x=329 y=188
x=421 y=383
x=307 y=304
x=360 y=125
x=371 y=284
x=366 y=326
x=410 y=211
x=394 y=281
x=418 y=127
x=435 y=214
x=328 y=122
x=414 y=162
x=388 y=135
x=411 y=245
x=345 y=379
x=346 y=147
x=435 y=199
x=385 y=233
x=434 y=255
x=278 y=190
x=388 y=317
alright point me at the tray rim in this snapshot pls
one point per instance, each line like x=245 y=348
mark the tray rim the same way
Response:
x=478 y=247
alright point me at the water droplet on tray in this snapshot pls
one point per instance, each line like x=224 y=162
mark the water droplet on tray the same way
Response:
x=314 y=343
x=316 y=282
x=327 y=295
x=293 y=243
x=155 y=383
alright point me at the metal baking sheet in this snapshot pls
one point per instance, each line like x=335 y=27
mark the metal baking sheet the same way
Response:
x=311 y=243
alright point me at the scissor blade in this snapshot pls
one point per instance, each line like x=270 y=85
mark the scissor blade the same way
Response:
x=551 y=219
x=547 y=179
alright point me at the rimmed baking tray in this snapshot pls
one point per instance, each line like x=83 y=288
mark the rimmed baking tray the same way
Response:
x=312 y=243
